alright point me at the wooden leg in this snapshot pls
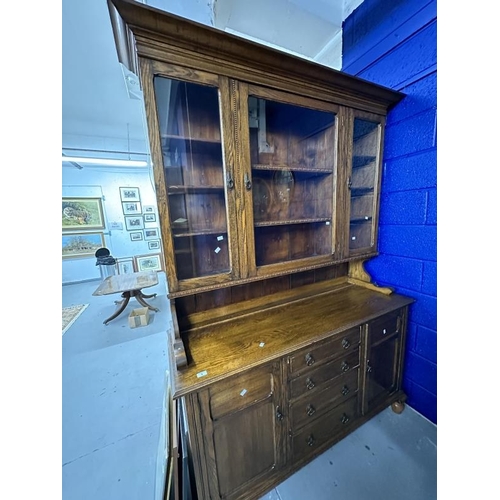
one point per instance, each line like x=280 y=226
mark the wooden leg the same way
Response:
x=122 y=305
x=139 y=298
x=148 y=296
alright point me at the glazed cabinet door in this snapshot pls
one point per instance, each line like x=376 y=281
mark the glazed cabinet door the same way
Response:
x=363 y=182
x=242 y=434
x=188 y=116
x=288 y=165
x=383 y=359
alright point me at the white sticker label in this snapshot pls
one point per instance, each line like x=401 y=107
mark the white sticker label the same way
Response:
x=366 y=217
x=220 y=238
x=262 y=344
x=243 y=392
x=327 y=222
x=202 y=374
x=217 y=250
x=353 y=238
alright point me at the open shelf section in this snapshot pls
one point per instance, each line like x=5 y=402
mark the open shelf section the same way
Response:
x=361 y=161
x=194 y=189
x=289 y=222
x=292 y=168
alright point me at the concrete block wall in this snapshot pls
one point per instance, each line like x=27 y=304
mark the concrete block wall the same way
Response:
x=394 y=44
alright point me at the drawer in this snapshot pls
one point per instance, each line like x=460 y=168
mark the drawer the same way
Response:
x=240 y=391
x=316 y=403
x=319 y=432
x=384 y=326
x=315 y=379
x=322 y=351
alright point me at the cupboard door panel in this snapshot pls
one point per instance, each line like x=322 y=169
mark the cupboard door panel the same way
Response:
x=364 y=182
x=244 y=445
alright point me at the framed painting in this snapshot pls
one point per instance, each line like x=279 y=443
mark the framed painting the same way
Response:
x=130 y=194
x=151 y=233
x=132 y=223
x=131 y=207
x=149 y=217
x=152 y=262
x=154 y=245
x=136 y=236
x=149 y=209
x=81 y=244
x=125 y=265
x=82 y=213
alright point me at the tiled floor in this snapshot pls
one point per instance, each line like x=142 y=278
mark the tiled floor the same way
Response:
x=113 y=392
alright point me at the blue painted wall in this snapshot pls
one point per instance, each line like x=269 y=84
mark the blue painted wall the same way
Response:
x=394 y=44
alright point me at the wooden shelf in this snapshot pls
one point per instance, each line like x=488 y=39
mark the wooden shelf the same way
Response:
x=311 y=170
x=194 y=189
x=361 y=220
x=292 y=221
x=362 y=161
x=361 y=191
x=180 y=138
x=195 y=232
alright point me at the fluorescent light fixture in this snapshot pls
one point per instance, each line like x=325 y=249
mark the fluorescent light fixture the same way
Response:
x=106 y=161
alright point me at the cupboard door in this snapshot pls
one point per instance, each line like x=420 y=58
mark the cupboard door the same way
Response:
x=364 y=182
x=383 y=359
x=243 y=432
x=190 y=111
x=289 y=175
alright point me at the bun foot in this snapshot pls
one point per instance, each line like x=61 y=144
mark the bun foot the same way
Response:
x=398 y=407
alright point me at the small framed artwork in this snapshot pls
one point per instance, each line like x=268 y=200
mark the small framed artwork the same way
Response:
x=129 y=194
x=151 y=233
x=81 y=244
x=154 y=245
x=151 y=262
x=149 y=209
x=149 y=217
x=126 y=265
x=132 y=223
x=82 y=213
x=136 y=236
x=131 y=207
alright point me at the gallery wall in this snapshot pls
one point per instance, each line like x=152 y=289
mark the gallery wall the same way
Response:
x=394 y=44
x=105 y=183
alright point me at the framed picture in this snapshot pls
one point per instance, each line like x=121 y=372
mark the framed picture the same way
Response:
x=136 y=236
x=151 y=233
x=132 y=223
x=149 y=217
x=151 y=262
x=129 y=194
x=82 y=213
x=154 y=245
x=149 y=209
x=126 y=265
x=81 y=244
x=131 y=207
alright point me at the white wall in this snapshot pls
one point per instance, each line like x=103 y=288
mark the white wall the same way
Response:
x=104 y=182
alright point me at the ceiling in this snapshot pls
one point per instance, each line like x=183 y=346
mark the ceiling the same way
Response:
x=98 y=113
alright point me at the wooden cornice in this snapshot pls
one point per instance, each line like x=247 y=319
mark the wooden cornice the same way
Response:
x=143 y=31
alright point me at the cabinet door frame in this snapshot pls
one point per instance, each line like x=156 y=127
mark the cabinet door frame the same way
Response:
x=350 y=115
x=201 y=422
x=244 y=168
x=149 y=70
x=397 y=363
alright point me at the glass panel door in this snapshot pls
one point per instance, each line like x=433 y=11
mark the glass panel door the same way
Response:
x=363 y=183
x=292 y=154
x=189 y=121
